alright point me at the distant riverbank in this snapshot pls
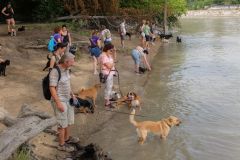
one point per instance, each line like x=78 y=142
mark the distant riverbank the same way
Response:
x=212 y=13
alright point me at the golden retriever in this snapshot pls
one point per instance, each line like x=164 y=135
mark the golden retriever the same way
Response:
x=90 y=93
x=160 y=128
x=131 y=99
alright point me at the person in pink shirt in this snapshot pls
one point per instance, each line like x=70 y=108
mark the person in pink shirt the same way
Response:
x=108 y=70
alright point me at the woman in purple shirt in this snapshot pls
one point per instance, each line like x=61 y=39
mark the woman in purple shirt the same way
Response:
x=95 y=49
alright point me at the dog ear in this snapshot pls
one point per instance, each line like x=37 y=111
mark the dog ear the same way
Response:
x=135 y=95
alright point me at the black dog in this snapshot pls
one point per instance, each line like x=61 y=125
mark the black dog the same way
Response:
x=165 y=36
x=85 y=103
x=179 y=39
x=48 y=63
x=73 y=49
x=89 y=152
x=129 y=35
x=142 y=70
x=21 y=28
x=3 y=67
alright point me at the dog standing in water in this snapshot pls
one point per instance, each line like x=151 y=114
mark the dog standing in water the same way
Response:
x=160 y=128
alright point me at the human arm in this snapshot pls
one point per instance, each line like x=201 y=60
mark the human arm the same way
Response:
x=99 y=43
x=70 y=39
x=52 y=62
x=3 y=11
x=56 y=98
x=53 y=82
x=146 y=62
x=12 y=11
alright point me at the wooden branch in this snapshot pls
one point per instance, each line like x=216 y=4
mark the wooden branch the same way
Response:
x=86 y=17
x=22 y=129
x=26 y=111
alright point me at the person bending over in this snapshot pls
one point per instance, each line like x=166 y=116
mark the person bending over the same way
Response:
x=138 y=55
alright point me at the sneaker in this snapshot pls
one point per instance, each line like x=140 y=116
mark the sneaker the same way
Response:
x=72 y=140
x=66 y=148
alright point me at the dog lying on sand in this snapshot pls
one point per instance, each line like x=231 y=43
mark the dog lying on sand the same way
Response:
x=90 y=93
x=131 y=99
x=160 y=128
x=3 y=67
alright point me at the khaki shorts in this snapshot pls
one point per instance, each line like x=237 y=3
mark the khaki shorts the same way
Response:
x=66 y=118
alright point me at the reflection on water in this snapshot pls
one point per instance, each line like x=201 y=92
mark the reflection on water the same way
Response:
x=197 y=81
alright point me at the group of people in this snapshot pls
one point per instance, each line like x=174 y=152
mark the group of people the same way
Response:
x=104 y=57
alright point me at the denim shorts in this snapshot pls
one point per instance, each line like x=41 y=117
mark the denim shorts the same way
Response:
x=136 y=56
x=95 y=52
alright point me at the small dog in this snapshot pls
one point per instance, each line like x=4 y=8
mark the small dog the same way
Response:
x=131 y=99
x=83 y=105
x=129 y=35
x=165 y=36
x=3 y=67
x=48 y=62
x=21 y=28
x=179 y=39
x=90 y=93
x=160 y=128
x=73 y=49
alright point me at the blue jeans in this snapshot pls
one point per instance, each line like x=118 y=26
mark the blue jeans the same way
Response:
x=136 y=56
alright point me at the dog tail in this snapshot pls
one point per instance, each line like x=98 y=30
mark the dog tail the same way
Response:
x=131 y=118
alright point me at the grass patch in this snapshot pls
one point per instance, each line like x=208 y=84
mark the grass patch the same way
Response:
x=22 y=154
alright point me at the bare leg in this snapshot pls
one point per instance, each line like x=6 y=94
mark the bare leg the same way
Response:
x=95 y=65
x=8 y=25
x=61 y=136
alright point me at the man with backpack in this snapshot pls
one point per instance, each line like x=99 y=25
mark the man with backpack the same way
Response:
x=61 y=92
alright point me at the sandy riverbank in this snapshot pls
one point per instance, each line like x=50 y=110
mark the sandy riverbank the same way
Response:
x=23 y=81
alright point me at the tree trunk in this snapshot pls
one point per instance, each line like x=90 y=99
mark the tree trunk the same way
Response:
x=165 y=27
x=28 y=125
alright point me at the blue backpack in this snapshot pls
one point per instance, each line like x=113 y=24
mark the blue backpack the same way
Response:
x=51 y=44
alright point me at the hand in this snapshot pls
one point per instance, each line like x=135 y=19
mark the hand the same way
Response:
x=7 y=14
x=149 y=69
x=60 y=106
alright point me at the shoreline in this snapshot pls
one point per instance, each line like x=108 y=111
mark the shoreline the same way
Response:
x=212 y=13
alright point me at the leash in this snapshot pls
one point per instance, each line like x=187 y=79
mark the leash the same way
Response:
x=119 y=112
x=118 y=76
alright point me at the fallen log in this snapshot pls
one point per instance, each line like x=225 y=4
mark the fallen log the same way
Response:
x=27 y=125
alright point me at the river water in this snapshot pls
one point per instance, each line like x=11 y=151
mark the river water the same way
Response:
x=197 y=81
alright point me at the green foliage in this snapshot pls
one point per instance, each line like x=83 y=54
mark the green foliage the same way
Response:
x=47 y=9
x=22 y=154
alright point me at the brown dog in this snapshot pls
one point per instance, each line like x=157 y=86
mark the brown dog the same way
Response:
x=160 y=128
x=90 y=93
x=131 y=99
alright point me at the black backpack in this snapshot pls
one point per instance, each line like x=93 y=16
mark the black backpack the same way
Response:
x=45 y=84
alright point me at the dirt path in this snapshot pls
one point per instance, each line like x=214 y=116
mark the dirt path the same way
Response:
x=23 y=81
